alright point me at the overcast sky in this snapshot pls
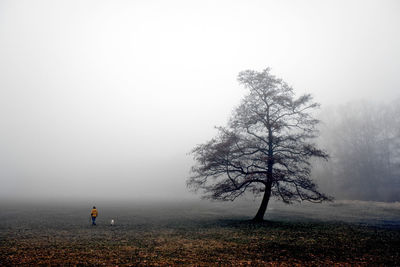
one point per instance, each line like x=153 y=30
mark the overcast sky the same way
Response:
x=106 y=98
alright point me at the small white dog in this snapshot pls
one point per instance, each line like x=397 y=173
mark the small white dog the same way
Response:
x=112 y=222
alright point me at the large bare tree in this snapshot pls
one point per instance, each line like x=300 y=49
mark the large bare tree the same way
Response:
x=265 y=148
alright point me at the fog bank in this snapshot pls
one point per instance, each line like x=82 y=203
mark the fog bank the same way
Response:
x=104 y=100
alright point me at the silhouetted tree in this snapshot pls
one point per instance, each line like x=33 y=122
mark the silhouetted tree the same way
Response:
x=265 y=147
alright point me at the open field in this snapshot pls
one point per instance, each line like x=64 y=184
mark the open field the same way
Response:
x=200 y=233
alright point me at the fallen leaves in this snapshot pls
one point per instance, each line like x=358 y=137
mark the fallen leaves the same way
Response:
x=238 y=243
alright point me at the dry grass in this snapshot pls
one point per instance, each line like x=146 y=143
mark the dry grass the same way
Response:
x=201 y=243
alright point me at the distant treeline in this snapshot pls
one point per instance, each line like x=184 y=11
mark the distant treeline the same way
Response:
x=363 y=140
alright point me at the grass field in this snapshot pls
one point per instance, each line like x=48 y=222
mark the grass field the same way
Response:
x=199 y=233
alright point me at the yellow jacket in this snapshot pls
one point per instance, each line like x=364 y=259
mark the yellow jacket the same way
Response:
x=94 y=213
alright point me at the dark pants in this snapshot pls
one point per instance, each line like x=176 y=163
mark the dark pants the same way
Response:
x=93 y=220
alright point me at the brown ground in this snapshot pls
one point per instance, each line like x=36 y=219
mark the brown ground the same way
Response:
x=198 y=242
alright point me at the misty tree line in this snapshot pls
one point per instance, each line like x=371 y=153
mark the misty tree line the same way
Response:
x=363 y=141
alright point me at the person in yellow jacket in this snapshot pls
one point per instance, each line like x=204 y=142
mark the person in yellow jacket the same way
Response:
x=94 y=213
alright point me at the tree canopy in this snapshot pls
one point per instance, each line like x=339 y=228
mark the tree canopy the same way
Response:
x=265 y=148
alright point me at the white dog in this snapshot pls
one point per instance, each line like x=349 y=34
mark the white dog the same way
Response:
x=112 y=222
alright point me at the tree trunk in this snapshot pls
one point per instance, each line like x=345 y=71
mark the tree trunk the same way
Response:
x=264 y=203
x=270 y=163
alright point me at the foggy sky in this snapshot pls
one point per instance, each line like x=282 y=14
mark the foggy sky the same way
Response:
x=104 y=99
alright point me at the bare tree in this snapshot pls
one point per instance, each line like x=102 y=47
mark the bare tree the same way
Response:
x=265 y=148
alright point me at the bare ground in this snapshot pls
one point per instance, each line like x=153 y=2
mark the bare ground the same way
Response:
x=177 y=236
